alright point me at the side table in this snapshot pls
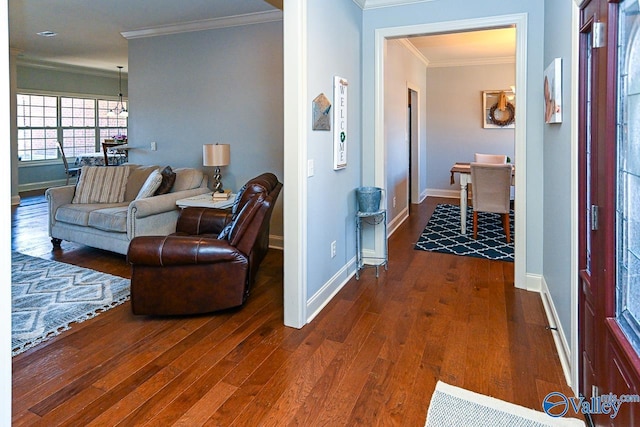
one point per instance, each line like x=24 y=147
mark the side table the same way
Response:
x=206 y=201
x=373 y=218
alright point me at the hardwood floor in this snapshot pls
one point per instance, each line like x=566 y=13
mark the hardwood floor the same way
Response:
x=372 y=356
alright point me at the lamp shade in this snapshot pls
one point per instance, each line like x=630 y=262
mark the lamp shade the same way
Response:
x=215 y=154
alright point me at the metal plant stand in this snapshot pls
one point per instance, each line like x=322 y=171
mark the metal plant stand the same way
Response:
x=373 y=218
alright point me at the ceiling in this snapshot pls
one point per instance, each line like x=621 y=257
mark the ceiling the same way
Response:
x=89 y=32
x=468 y=48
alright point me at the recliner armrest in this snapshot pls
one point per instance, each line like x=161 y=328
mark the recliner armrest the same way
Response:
x=181 y=250
x=197 y=220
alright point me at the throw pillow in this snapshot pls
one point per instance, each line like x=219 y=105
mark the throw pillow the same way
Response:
x=150 y=186
x=168 y=178
x=101 y=184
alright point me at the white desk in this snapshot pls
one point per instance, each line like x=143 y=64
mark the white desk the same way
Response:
x=206 y=201
x=464 y=170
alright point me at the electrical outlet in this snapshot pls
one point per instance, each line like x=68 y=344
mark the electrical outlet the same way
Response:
x=394 y=202
x=154 y=146
x=333 y=249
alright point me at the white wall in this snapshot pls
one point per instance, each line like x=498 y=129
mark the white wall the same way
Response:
x=5 y=234
x=223 y=85
x=334 y=28
x=455 y=116
x=402 y=68
x=559 y=220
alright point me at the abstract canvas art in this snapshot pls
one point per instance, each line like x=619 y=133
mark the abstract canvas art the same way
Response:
x=553 y=92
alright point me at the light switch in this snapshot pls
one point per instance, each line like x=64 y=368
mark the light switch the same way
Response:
x=154 y=146
x=310 y=168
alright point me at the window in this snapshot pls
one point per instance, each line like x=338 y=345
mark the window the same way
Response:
x=37 y=127
x=627 y=218
x=79 y=123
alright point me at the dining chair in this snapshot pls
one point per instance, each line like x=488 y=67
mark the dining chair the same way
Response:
x=491 y=193
x=108 y=145
x=490 y=158
x=69 y=172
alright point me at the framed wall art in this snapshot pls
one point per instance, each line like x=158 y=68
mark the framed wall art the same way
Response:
x=553 y=92
x=340 y=122
x=498 y=109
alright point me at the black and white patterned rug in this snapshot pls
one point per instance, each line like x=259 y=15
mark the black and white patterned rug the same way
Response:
x=442 y=234
x=46 y=296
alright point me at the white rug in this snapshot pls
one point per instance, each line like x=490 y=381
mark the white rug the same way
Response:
x=46 y=296
x=454 y=406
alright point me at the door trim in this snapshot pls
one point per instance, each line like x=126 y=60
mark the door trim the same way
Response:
x=295 y=160
x=413 y=135
x=574 y=356
x=380 y=174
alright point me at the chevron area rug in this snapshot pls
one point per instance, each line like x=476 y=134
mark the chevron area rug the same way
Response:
x=442 y=234
x=46 y=296
x=454 y=406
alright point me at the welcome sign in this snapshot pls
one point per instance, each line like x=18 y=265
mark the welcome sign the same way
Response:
x=339 y=123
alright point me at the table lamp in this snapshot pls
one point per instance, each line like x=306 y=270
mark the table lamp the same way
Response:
x=216 y=155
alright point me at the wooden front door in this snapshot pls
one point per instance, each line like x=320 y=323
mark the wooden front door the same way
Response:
x=609 y=202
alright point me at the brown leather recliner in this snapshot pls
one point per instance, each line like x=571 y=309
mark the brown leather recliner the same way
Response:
x=211 y=260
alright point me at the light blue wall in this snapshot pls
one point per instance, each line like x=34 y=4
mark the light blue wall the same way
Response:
x=334 y=34
x=455 y=120
x=402 y=67
x=557 y=170
x=196 y=88
x=65 y=81
x=453 y=10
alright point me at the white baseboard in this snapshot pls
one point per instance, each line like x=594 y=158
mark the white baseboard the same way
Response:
x=450 y=194
x=423 y=196
x=559 y=337
x=397 y=221
x=321 y=298
x=533 y=282
x=42 y=185
x=276 y=242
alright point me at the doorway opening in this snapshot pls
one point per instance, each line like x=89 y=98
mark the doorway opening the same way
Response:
x=517 y=21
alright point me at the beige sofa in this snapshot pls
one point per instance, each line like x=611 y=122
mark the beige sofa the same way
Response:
x=111 y=226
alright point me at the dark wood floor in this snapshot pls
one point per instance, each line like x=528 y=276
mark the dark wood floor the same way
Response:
x=372 y=356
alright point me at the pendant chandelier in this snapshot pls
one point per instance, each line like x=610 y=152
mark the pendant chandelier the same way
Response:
x=119 y=110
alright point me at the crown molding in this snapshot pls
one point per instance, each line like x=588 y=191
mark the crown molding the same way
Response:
x=374 y=4
x=206 y=24
x=67 y=68
x=414 y=51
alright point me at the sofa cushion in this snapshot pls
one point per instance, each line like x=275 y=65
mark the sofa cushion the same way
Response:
x=99 y=184
x=150 y=186
x=137 y=176
x=78 y=214
x=168 y=179
x=109 y=219
x=187 y=179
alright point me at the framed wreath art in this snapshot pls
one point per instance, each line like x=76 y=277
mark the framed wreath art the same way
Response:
x=499 y=109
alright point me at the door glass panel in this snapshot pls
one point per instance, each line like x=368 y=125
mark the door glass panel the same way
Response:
x=628 y=176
